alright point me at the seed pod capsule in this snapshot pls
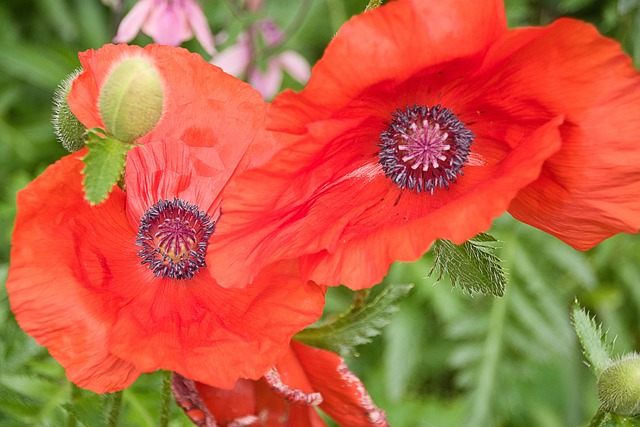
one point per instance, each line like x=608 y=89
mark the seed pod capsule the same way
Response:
x=619 y=386
x=131 y=99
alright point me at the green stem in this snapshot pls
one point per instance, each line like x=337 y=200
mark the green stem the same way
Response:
x=373 y=4
x=480 y=407
x=165 y=399
x=113 y=405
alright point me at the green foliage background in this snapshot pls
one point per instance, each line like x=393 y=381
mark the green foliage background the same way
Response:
x=446 y=359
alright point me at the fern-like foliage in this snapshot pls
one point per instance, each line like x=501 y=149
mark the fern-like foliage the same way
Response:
x=365 y=320
x=513 y=360
x=473 y=265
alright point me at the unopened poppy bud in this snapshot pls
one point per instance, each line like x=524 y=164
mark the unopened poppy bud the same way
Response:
x=67 y=128
x=131 y=99
x=619 y=386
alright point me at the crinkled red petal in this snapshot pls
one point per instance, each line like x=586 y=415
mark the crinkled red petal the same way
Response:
x=325 y=195
x=345 y=398
x=588 y=191
x=54 y=282
x=77 y=284
x=214 y=113
x=208 y=333
x=392 y=42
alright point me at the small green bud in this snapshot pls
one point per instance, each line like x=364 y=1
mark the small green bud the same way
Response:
x=131 y=99
x=619 y=386
x=69 y=131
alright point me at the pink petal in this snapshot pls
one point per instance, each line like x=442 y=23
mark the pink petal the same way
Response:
x=296 y=65
x=267 y=83
x=168 y=24
x=132 y=22
x=235 y=59
x=199 y=25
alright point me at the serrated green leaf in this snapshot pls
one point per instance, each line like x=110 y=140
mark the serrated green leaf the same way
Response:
x=104 y=164
x=594 y=343
x=357 y=326
x=472 y=265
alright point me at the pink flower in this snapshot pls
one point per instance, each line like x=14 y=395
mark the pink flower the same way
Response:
x=168 y=22
x=238 y=59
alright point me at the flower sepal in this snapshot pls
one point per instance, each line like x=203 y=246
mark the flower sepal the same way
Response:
x=70 y=132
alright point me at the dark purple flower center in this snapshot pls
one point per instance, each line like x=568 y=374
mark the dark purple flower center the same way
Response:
x=174 y=236
x=424 y=148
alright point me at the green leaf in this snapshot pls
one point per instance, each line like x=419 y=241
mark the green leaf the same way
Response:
x=472 y=265
x=104 y=165
x=359 y=325
x=594 y=343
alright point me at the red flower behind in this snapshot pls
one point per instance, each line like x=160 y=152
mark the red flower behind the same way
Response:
x=123 y=287
x=286 y=396
x=426 y=120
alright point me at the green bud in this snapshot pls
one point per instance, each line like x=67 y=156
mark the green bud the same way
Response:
x=131 y=99
x=69 y=131
x=619 y=386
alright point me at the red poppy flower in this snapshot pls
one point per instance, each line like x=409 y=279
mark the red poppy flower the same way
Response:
x=123 y=287
x=286 y=396
x=426 y=120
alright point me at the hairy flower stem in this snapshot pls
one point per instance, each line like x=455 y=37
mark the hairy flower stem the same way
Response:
x=165 y=399
x=373 y=4
x=113 y=403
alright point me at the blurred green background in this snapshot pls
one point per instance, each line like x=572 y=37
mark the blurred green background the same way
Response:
x=447 y=358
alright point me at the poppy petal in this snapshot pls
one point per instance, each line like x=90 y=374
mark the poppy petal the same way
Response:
x=48 y=283
x=203 y=106
x=208 y=333
x=402 y=38
x=164 y=169
x=189 y=398
x=345 y=397
x=588 y=191
x=258 y=403
x=282 y=208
